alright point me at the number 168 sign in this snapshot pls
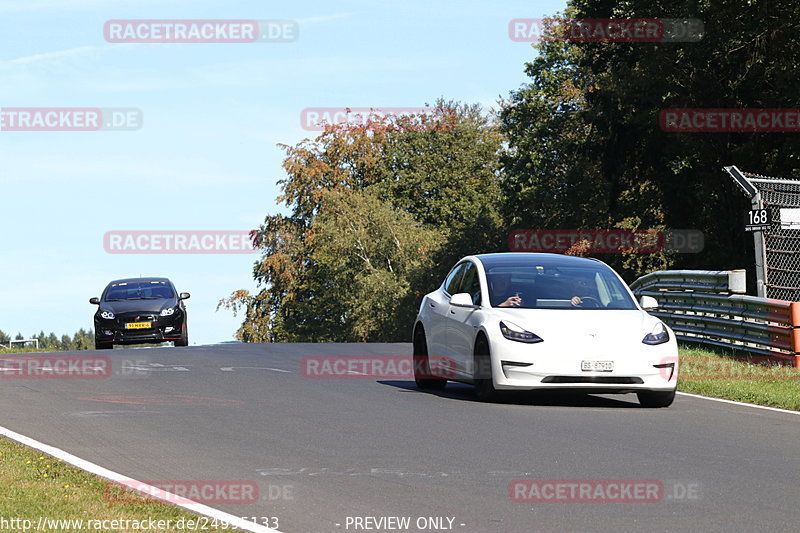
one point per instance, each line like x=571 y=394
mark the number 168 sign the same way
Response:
x=758 y=220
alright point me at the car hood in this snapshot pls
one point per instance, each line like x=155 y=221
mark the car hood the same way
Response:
x=591 y=325
x=139 y=306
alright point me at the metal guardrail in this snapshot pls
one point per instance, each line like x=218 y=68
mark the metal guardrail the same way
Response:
x=707 y=280
x=707 y=307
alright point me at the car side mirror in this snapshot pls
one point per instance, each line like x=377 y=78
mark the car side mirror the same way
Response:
x=462 y=299
x=648 y=302
x=185 y=296
x=95 y=301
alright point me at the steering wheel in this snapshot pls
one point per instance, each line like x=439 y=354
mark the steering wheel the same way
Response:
x=595 y=302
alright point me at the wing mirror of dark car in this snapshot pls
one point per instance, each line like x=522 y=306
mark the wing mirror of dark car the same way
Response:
x=95 y=301
x=462 y=299
x=185 y=296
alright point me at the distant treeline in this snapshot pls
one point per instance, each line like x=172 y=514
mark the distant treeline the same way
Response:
x=81 y=340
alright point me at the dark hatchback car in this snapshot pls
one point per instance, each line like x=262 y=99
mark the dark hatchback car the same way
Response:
x=140 y=311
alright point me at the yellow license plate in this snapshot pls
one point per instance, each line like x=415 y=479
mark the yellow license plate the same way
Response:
x=138 y=325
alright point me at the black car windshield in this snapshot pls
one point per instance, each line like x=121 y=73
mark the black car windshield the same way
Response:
x=553 y=283
x=138 y=290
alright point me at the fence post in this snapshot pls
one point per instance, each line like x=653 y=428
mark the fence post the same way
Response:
x=794 y=314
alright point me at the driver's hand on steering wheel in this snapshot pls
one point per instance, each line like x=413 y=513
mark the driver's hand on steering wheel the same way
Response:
x=576 y=300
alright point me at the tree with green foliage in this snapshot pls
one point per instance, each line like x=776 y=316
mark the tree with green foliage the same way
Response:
x=378 y=213
x=371 y=259
x=66 y=343
x=51 y=342
x=586 y=149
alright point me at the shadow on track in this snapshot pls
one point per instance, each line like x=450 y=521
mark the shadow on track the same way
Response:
x=558 y=398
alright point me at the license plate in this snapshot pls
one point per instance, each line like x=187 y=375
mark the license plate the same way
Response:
x=138 y=325
x=597 y=366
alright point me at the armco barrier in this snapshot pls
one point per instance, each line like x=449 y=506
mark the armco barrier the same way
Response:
x=707 y=307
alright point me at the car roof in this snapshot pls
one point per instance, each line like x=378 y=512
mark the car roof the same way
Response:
x=501 y=258
x=133 y=280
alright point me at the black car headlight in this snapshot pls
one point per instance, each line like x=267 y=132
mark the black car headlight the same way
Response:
x=108 y=315
x=169 y=311
x=658 y=335
x=513 y=332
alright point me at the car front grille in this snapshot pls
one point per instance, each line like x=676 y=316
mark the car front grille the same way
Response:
x=608 y=380
x=136 y=317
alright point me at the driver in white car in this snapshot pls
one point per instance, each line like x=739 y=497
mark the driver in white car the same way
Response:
x=582 y=286
x=501 y=285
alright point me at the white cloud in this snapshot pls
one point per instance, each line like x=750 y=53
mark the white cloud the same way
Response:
x=61 y=55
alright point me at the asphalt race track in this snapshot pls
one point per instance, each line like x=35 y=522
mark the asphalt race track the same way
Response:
x=325 y=451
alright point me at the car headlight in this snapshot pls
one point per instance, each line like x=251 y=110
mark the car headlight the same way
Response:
x=108 y=315
x=167 y=312
x=658 y=335
x=513 y=332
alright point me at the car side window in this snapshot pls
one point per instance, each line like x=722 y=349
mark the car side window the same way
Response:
x=471 y=283
x=453 y=281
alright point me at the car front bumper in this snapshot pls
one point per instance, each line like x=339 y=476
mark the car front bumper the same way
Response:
x=518 y=366
x=169 y=328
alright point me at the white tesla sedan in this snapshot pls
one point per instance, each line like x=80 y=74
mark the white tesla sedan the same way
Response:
x=524 y=321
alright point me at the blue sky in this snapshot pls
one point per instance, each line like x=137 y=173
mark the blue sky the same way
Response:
x=206 y=157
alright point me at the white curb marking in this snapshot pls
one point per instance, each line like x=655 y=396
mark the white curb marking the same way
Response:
x=98 y=470
x=723 y=400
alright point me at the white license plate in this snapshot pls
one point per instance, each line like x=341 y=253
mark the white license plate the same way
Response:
x=597 y=366
x=138 y=325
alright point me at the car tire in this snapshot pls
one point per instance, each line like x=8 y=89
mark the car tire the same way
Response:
x=656 y=399
x=484 y=385
x=103 y=346
x=184 y=340
x=422 y=366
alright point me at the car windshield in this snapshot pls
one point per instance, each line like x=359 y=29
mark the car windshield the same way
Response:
x=554 y=283
x=138 y=290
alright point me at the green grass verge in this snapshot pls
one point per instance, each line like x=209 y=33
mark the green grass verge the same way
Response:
x=37 y=485
x=21 y=350
x=714 y=372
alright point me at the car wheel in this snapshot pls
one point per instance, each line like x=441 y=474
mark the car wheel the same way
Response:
x=422 y=366
x=656 y=399
x=484 y=382
x=103 y=346
x=184 y=340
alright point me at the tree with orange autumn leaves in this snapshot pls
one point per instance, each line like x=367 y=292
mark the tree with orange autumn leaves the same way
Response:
x=379 y=212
